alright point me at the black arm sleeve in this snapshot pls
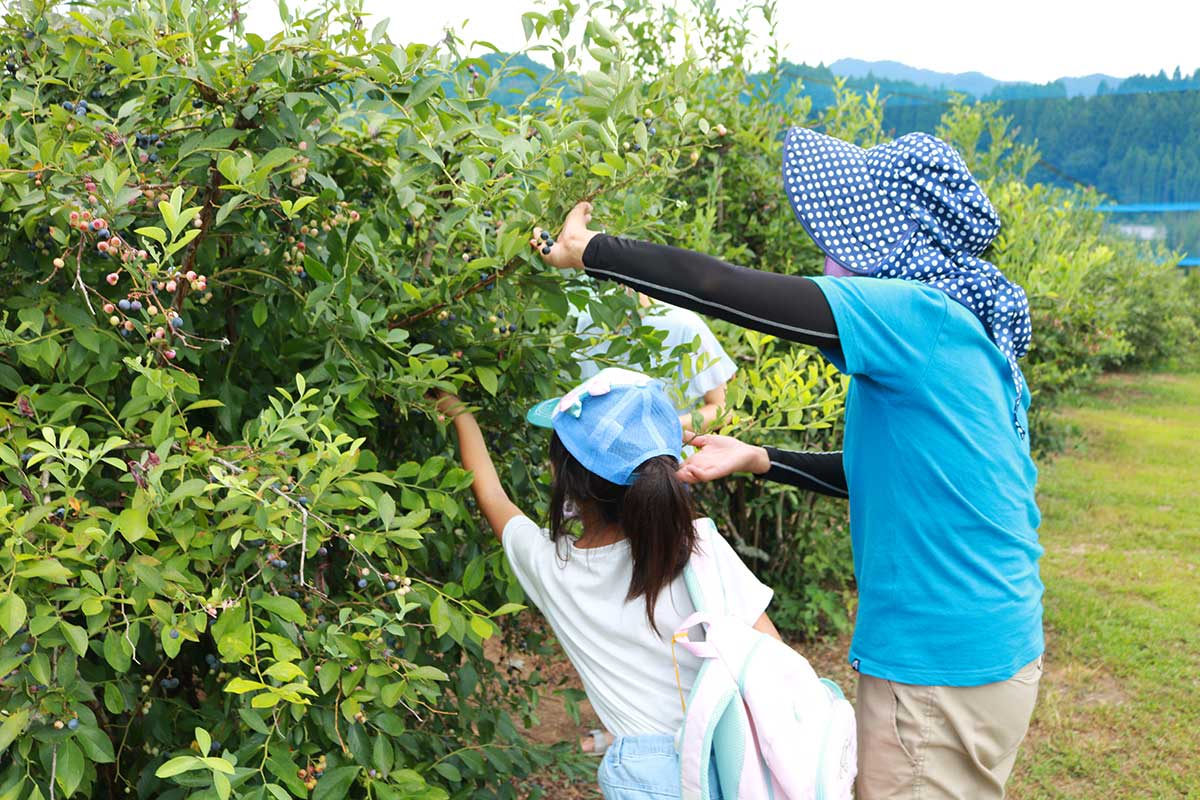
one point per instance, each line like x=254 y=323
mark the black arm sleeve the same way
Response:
x=817 y=472
x=788 y=306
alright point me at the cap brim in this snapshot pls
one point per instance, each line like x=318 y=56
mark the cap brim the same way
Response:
x=542 y=414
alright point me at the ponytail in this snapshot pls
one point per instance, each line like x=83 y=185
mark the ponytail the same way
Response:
x=655 y=513
x=659 y=520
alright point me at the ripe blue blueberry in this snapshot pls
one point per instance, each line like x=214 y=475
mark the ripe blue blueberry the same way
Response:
x=153 y=157
x=174 y=634
x=72 y=724
x=302 y=500
x=322 y=551
x=26 y=456
x=362 y=583
x=544 y=236
x=391 y=584
x=68 y=105
x=546 y=250
x=124 y=304
x=569 y=173
x=197 y=103
x=80 y=110
x=177 y=322
x=135 y=305
x=25 y=647
x=512 y=328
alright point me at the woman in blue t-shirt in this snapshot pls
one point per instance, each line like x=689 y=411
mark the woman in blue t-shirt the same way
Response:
x=936 y=463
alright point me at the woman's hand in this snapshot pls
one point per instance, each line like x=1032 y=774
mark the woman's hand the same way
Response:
x=718 y=456
x=566 y=252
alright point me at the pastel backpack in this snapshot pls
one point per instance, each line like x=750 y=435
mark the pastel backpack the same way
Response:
x=776 y=730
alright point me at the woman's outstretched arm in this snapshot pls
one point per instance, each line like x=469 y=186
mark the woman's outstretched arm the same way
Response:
x=788 y=306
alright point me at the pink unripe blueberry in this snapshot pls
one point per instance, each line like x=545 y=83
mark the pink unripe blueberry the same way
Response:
x=109 y=308
x=159 y=333
x=86 y=215
x=93 y=199
x=59 y=263
x=102 y=247
x=115 y=241
x=169 y=353
x=99 y=224
x=142 y=254
x=201 y=285
x=354 y=216
x=74 y=217
x=83 y=226
x=143 y=157
x=303 y=145
x=112 y=278
x=89 y=187
x=171 y=286
x=128 y=324
x=191 y=275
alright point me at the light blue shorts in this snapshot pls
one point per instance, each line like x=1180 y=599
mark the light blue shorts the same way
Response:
x=639 y=767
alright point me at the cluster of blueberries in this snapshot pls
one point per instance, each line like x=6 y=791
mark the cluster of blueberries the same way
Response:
x=213 y=662
x=169 y=683
x=547 y=243
x=146 y=141
x=79 y=108
x=133 y=305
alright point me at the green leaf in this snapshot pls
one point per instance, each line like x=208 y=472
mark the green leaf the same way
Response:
x=335 y=783
x=157 y=234
x=70 y=766
x=12 y=727
x=203 y=740
x=133 y=524
x=283 y=607
x=448 y=771
x=241 y=686
x=259 y=313
x=487 y=379
x=317 y=270
x=439 y=615
x=508 y=608
x=95 y=744
x=76 y=637
x=12 y=613
x=49 y=569
x=178 y=766
x=221 y=784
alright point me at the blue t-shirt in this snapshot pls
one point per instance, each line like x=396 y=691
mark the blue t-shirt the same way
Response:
x=943 y=519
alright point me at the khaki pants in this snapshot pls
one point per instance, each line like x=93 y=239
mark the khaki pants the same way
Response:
x=941 y=742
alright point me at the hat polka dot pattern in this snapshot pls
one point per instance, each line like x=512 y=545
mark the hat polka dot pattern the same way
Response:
x=908 y=209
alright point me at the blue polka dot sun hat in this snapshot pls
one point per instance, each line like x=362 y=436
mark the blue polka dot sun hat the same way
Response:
x=907 y=209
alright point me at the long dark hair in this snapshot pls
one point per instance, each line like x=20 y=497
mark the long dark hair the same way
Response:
x=655 y=513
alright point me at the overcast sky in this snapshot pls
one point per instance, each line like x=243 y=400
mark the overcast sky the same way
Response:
x=1031 y=40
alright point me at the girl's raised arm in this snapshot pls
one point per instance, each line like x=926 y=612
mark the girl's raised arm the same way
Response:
x=489 y=493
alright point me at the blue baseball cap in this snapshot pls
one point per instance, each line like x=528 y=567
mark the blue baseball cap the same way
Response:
x=613 y=423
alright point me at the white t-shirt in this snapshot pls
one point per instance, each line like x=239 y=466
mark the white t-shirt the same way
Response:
x=626 y=667
x=699 y=372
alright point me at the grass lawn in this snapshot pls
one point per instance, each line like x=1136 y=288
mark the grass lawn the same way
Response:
x=1119 y=712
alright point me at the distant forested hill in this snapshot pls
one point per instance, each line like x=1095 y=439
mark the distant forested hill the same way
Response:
x=1137 y=140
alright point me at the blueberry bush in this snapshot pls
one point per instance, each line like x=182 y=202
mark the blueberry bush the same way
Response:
x=237 y=559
